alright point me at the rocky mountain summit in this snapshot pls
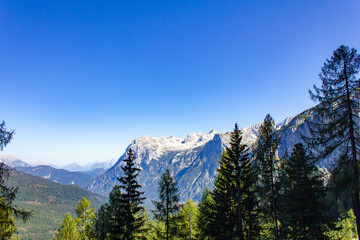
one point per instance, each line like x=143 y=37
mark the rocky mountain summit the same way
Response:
x=192 y=160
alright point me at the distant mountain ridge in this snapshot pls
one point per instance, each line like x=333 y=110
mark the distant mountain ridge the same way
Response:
x=58 y=175
x=75 y=167
x=192 y=160
x=80 y=177
x=13 y=161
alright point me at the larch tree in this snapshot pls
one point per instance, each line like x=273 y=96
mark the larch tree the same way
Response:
x=187 y=217
x=85 y=218
x=336 y=133
x=68 y=229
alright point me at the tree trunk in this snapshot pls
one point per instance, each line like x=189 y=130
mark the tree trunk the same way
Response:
x=241 y=235
x=273 y=200
x=355 y=191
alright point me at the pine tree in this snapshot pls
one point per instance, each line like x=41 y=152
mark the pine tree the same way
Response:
x=267 y=165
x=303 y=194
x=68 y=229
x=187 y=217
x=85 y=218
x=204 y=216
x=125 y=203
x=337 y=131
x=167 y=208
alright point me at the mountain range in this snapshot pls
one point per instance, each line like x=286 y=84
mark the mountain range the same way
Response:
x=192 y=160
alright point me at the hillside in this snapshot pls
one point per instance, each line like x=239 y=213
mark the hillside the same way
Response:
x=49 y=201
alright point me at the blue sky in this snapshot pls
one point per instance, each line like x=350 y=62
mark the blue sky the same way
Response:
x=81 y=79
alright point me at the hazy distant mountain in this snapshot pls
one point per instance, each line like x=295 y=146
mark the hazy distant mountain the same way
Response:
x=192 y=160
x=74 y=167
x=58 y=175
x=13 y=161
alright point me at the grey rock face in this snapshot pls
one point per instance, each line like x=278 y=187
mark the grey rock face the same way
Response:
x=193 y=161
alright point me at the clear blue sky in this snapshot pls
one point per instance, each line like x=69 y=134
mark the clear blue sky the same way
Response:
x=81 y=79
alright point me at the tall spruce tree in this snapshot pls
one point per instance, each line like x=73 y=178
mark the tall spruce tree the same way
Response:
x=127 y=220
x=304 y=194
x=223 y=220
x=245 y=179
x=131 y=199
x=267 y=165
x=234 y=197
x=167 y=208
x=337 y=130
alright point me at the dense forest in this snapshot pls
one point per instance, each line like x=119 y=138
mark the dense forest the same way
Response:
x=256 y=194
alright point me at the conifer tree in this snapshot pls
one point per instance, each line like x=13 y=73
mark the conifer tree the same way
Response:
x=103 y=223
x=223 y=219
x=245 y=179
x=167 y=208
x=85 y=217
x=304 y=197
x=204 y=216
x=125 y=203
x=187 y=217
x=68 y=229
x=8 y=194
x=267 y=165
x=7 y=222
x=338 y=129
x=234 y=193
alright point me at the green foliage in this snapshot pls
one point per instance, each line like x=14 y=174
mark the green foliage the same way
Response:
x=167 y=208
x=85 y=218
x=337 y=133
x=5 y=135
x=268 y=165
x=204 y=216
x=7 y=193
x=303 y=208
x=187 y=220
x=102 y=223
x=344 y=228
x=68 y=229
x=123 y=217
x=7 y=221
x=49 y=203
x=223 y=222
